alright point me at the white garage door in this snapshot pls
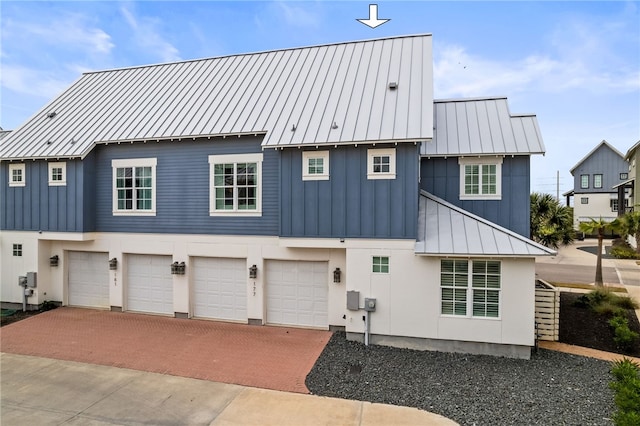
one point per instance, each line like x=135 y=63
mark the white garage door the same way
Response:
x=297 y=293
x=89 y=279
x=220 y=288
x=149 y=284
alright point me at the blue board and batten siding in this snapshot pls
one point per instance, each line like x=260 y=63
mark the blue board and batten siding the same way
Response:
x=40 y=207
x=441 y=177
x=182 y=188
x=349 y=205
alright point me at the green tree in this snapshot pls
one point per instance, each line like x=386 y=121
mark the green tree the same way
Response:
x=551 y=223
x=629 y=224
x=597 y=227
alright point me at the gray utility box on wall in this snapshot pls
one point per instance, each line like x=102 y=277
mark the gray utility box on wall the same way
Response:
x=32 y=279
x=370 y=305
x=353 y=300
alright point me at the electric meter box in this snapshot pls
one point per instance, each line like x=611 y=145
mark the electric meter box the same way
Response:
x=370 y=305
x=353 y=300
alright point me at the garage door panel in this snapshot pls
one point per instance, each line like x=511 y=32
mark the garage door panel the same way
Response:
x=149 y=284
x=220 y=288
x=297 y=293
x=88 y=283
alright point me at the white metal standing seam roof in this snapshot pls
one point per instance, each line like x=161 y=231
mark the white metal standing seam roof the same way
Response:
x=448 y=230
x=330 y=94
x=482 y=126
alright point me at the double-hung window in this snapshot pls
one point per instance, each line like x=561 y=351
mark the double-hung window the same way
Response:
x=470 y=288
x=134 y=186
x=480 y=178
x=584 y=181
x=315 y=165
x=381 y=163
x=16 y=174
x=597 y=181
x=57 y=174
x=236 y=184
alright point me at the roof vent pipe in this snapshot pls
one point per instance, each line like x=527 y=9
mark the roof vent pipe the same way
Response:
x=51 y=114
x=393 y=85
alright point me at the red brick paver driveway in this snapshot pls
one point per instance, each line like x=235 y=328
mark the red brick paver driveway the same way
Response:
x=266 y=357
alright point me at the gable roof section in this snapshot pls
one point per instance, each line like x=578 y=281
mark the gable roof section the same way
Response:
x=593 y=151
x=448 y=230
x=631 y=151
x=482 y=126
x=268 y=93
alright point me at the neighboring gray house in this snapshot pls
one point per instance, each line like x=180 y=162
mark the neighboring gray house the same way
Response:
x=265 y=188
x=595 y=181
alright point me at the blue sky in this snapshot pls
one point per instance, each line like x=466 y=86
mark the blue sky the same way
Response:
x=574 y=64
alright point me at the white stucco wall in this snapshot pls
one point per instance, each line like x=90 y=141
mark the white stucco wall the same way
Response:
x=599 y=206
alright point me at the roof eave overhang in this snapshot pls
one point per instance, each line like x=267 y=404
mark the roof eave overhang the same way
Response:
x=483 y=154
x=485 y=255
x=346 y=143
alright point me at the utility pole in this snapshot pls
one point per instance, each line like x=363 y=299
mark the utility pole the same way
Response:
x=558 y=185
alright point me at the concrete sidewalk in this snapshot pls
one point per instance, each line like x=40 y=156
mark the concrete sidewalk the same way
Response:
x=42 y=391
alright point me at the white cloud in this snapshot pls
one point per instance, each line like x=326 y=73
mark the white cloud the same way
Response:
x=146 y=34
x=459 y=73
x=307 y=16
x=31 y=81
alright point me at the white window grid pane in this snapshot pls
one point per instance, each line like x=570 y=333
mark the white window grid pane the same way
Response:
x=597 y=181
x=17 y=250
x=134 y=187
x=584 y=181
x=381 y=164
x=16 y=175
x=381 y=264
x=471 y=179
x=454 y=283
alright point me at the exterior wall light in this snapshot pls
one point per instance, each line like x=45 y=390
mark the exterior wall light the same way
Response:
x=113 y=264
x=336 y=275
x=53 y=260
x=178 y=268
x=253 y=271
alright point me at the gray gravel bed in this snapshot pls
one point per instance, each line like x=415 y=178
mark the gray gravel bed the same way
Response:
x=551 y=388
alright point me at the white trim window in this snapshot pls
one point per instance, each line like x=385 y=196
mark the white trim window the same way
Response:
x=315 y=165
x=597 y=181
x=17 y=176
x=17 y=250
x=380 y=264
x=478 y=297
x=134 y=187
x=480 y=178
x=381 y=163
x=57 y=174
x=235 y=185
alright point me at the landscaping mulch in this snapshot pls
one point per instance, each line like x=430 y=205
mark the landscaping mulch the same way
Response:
x=581 y=326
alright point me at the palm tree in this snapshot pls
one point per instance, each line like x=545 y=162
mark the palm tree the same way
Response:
x=597 y=227
x=551 y=223
x=629 y=224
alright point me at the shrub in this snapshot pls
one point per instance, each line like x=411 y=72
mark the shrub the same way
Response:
x=627 y=392
x=608 y=308
x=624 y=337
x=625 y=302
x=623 y=252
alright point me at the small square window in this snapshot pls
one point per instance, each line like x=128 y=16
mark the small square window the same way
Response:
x=16 y=175
x=17 y=250
x=57 y=174
x=315 y=165
x=597 y=181
x=624 y=176
x=584 y=181
x=381 y=264
x=584 y=200
x=381 y=163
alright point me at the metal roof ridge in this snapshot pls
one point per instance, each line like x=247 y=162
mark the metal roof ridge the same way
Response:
x=260 y=52
x=473 y=99
x=485 y=221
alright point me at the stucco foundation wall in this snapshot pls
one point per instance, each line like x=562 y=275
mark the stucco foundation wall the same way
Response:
x=408 y=300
